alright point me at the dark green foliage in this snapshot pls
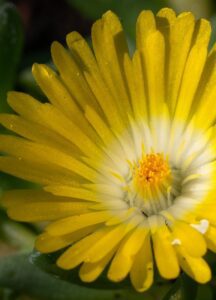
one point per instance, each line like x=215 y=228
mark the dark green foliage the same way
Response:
x=11 y=42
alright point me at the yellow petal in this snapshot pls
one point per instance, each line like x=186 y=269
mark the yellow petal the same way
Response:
x=101 y=128
x=139 y=100
x=141 y=274
x=54 y=89
x=81 y=51
x=196 y=268
x=37 y=205
x=150 y=42
x=72 y=76
x=122 y=216
x=89 y=272
x=153 y=53
x=202 y=32
x=14 y=197
x=116 y=153
x=70 y=224
x=114 y=51
x=210 y=237
x=36 y=132
x=190 y=238
x=47 y=243
x=42 y=211
x=28 y=151
x=51 y=117
x=165 y=18
x=84 y=56
x=25 y=105
x=206 y=93
x=110 y=47
x=180 y=39
x=190 y=81
x=107 y=102
x=58 y=94
x=169 y=267
x=74 y=255
x=35 y=171
x=123 y=260
x=74 y=192
x=105 y=189
x=108 y=242
x=144 y=26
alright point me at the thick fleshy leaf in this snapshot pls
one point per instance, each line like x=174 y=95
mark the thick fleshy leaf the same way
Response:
x=213 y=36
x=47 y=263
x=19 y=274
x=188 y=288
x=123 y=289
x=175 y=291
x=204 y=292
x=185 y=288
x=11 y=41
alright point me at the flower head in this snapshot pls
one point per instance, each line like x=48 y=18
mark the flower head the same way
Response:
x=124 y=150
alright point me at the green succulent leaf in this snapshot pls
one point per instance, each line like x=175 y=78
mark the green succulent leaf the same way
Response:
x=213 y=36
x=11 y=41
x=184 y=288
x=204 y=292
x=188 y=288
x=47 y=263
x=19 y=274
x=175 y=291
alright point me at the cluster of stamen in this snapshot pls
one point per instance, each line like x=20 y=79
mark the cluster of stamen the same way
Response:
x=151 y=170
x=150 y=187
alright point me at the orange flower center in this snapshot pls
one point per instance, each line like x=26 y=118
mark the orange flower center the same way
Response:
x=151 y=170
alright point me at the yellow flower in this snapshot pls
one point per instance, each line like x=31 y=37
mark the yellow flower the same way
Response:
x=125 y=150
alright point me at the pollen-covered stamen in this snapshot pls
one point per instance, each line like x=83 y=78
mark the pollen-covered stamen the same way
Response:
x=151 y=170
x=151 y=184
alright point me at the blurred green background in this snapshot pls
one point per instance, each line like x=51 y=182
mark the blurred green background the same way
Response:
x=27 y=28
